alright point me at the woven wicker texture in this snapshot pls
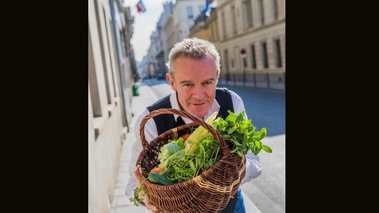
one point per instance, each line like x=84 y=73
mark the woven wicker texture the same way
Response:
x=208 y=192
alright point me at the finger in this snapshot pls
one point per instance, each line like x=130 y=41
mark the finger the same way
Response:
x=151 y=207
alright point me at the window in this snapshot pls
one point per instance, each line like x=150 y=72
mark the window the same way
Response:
x=253 y=58
x=276 y=13
x=248 y=13
x=264 y=55
x=278 y=53
x=261 y=8
x=226 y=60
x=223 y=25
x=123 y=46
x=105 y=70
x=226 y=57
x=189 y=12
x=95 y=97
x=234 y=20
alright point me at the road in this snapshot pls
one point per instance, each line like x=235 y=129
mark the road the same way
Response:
x=266 y=108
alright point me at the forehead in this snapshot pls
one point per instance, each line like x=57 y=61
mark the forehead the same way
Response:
x=189 y=67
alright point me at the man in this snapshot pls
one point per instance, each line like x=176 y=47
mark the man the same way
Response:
x=194 y=69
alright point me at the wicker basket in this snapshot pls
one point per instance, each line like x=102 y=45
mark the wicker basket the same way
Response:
x=208 y=192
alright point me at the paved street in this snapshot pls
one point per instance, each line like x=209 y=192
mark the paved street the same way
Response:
x=266 y=108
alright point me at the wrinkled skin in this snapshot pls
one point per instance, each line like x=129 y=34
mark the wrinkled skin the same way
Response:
x=194 y=82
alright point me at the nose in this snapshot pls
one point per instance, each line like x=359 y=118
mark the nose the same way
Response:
x=199 y=92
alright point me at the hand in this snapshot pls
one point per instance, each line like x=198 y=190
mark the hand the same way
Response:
x=145 y=197
x=150 y=206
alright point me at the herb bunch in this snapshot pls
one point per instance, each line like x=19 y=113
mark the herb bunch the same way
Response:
x=240 y=134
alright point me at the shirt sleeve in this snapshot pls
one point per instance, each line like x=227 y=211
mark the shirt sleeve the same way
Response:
x=150 y=134
x=238 y=104
x=253 y=167
x=253 y=164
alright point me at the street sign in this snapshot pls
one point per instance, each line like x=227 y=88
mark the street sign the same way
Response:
x=243 y=53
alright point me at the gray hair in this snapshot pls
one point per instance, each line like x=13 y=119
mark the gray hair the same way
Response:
x=194 y=48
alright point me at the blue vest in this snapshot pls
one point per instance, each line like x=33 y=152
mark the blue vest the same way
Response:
x=167 y=121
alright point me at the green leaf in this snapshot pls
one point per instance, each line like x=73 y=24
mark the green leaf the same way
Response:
x=267 y=148
x=231 y=130
x=260 y=134
x=192 y=165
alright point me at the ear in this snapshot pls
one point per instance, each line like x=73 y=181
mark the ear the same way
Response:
x=170 y=81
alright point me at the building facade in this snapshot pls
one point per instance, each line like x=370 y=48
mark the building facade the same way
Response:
x=249 y=35
x=206 y=27
x=172 y=27
x=111 y=66
x=252 y=39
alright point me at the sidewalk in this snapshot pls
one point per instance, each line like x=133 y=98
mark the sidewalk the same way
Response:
x=258 y=85
x=120 y=202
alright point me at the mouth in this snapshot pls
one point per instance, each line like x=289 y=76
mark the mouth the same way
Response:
x=199 y=104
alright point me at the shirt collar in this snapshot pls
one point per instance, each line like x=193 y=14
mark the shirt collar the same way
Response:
x=175 y=105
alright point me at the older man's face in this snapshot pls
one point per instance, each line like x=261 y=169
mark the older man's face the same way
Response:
x=195 y=83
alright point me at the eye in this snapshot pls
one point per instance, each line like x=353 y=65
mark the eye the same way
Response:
x=208 y=82
x=187 y=84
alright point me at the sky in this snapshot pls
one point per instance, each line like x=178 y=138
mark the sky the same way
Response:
x=144 y=24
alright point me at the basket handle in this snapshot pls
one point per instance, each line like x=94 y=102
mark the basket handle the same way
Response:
x=224 y=147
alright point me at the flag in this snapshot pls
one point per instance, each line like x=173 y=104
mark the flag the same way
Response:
x=207 y=9
x=141 y=7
